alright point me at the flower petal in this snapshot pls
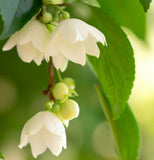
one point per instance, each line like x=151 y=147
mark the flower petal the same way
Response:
x=34 y=124
x=54 y=44
x=37 y=143
x=53 y=123
x=12 y=41
x=38 y=58
x=27 y=53
x=36 y=32
x=73 y=30
x=97 y=34
x=53 y=142
x=23 y=139
x=60 y=62
x=91 y=46
x=74 y=52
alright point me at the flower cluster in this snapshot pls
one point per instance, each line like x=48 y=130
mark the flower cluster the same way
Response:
x=61 y=38
x=66 y=109
x=46 y=128
x=58 y=37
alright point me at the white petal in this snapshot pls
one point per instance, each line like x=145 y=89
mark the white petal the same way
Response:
x=34 y=124
x=53 y=123
x=37 y=143
x=36 y=32
x=27 y=52
x=12 y=41
x=38 y=58
x=97 y=34
x=73 y=30
x=74 y=52
x=40 y=36
x=60 y=62
x=91 y=46
x=23 y=139
x=54 y=44
x=53 y=142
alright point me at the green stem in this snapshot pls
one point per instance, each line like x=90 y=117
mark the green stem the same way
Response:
x=57 y=7
x=59 y=76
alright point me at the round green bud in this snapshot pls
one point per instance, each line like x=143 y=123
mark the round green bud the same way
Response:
x=69 y=82
x=65 y=15
x=69 y=109
x=49 y=104
x=46 y=18
x=60 y=91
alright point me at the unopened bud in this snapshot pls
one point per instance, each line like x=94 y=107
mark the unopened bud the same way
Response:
x=46 y=18
x=69 y=109
x=65 y=15
x=49 y=104
x=69 y=82
x=60 y=91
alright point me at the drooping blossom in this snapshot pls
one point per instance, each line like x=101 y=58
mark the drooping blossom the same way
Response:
x=72 y=40
x=42 y=131
x=31 y=41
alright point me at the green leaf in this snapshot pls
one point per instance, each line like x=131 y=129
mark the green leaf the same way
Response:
x=115 y=68
x=128 y=13
x=125 y=130
x=1 y=156
x=145 y=4
x=16 y=14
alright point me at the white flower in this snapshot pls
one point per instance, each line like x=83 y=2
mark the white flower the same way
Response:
x=72 y=40
x=44 y=130
x=32 y=41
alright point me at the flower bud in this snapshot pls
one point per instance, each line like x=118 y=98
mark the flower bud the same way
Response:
x=69 y=82
x=60 y=91
x=46 y=18
x=65 y=15
x=49 y=104
x=69 y=109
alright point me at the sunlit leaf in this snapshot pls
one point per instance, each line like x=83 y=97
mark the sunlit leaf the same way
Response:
x=115 y=68
x=128 y=13
x=15 y=14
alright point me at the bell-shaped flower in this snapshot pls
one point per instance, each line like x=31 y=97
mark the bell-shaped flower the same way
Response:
x=72 y=40
x=44 y=130
x=31 y=41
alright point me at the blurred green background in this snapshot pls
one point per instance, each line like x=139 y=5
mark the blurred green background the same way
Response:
x=88 y=136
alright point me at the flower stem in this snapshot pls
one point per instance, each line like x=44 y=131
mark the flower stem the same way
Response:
x=51 y=81
x=59 y=76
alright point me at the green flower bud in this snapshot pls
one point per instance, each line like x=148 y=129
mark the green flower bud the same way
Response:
x=46 y=18
x=69 y=82
x=49 y=104
x=60 y=91
x=69 y=109
x=65 y=15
